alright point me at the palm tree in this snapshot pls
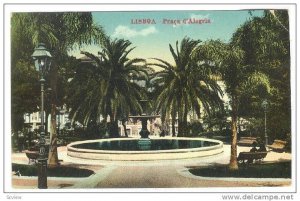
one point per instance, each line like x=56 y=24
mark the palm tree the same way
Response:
x=185 y=86
x=239 y=78
x=109 y=89
x=61 y=32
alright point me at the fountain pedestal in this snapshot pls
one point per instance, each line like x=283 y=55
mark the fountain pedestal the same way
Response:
x=144 y=142
x=144 y=133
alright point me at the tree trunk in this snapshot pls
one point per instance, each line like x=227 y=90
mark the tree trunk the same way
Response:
x=53 y=156
x=173 y=128
x=233 y=165
x=124 y=127
x=182 y=128
x=185 y=125
x=113 y=129
x=182 y=124
x=173 y=124
x=180 y=131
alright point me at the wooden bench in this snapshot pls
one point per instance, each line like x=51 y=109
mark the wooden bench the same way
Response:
x=247 y=141
x=251 y=157
x=278 y=145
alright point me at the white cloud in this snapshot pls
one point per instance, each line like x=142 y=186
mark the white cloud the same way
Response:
x=179 y=25
x=199 y=16
x=128 y=32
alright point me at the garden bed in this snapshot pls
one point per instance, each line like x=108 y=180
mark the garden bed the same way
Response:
x=59 y=171
x=263 y=170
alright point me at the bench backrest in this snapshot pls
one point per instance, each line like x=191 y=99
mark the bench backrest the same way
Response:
x=32 y=154
x=279 y=142
x=248 y=138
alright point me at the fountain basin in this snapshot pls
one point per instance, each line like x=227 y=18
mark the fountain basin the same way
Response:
x=161 y=149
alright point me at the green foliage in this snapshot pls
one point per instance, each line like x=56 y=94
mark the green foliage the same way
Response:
x=25 y=85
x=255 y=66
x=107 y=89
x=216 y=122
x=265 y=42
x=195 y=128
x=61 y=32
x=256 y=83
x=95 y=130
x=187 y=85
x=259 y=69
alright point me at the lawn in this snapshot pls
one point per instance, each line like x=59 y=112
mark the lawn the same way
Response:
x=60 y=171
x=262 y=170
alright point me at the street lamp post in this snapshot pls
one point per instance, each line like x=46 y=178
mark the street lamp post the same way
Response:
x=42 y=62
x=265 y=106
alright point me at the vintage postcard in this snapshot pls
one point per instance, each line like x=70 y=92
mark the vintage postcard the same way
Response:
x=162 y=97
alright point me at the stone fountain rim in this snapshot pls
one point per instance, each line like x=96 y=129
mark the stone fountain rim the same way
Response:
x=79 y=150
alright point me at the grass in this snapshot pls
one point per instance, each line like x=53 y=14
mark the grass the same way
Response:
x=60 y=171
x=263 y=170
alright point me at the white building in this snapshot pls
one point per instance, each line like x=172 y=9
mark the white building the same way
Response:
x=33 y=120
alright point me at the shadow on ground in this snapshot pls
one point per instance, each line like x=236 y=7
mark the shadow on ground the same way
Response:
x=59 y=171
x=256 y=170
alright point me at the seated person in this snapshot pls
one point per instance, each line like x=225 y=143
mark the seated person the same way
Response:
x=254 y=144
x=254 y=149
x=262 y=148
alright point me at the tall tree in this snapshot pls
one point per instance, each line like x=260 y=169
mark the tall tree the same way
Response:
x=265 y=41
x=108 y=89
x=186 y=86
x=24 y=80
x=60 y=32
x=255 y=64
x=239 y=78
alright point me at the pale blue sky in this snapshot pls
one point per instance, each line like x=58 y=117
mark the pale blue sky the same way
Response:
x=152 y=40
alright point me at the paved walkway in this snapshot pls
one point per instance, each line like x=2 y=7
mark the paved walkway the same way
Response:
x=147 y=174
x=168 y=177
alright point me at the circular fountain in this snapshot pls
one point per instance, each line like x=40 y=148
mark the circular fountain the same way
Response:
x=144 y=148
x=128 y=149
